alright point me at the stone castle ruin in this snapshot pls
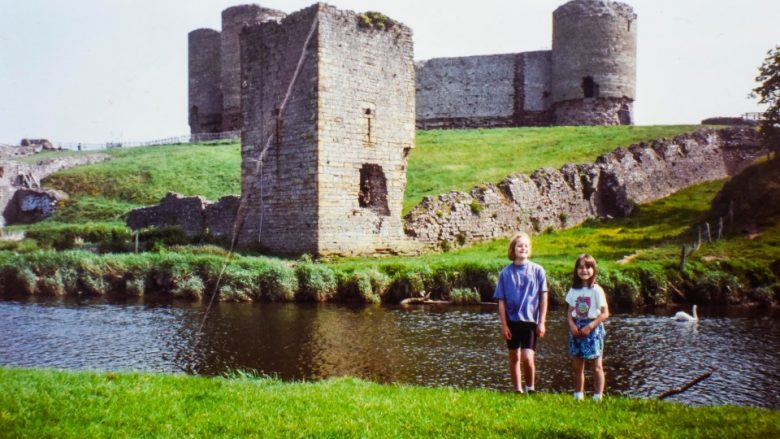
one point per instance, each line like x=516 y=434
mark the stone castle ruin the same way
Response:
x=327 y=113
x=325 y=100
x=333 y=177
x=588 y=78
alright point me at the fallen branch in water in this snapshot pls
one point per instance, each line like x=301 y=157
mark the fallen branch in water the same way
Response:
x=424 y=301
x=682 y=389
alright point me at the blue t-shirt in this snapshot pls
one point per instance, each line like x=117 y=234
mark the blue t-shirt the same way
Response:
x=520 y=286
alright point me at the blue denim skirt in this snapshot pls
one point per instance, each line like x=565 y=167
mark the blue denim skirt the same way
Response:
x=589 y=347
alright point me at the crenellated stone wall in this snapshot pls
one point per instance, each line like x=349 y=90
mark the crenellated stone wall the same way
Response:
x=610 y=187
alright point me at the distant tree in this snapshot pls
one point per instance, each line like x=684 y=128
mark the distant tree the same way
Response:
x=769 y=93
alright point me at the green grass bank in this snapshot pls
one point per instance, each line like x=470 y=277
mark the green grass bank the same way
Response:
x=87 y=249
x=639 y=264
x=47 y=403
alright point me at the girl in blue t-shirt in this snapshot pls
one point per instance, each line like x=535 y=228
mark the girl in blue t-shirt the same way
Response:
x=587 y=311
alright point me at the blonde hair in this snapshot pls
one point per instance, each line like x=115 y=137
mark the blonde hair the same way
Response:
x=512 y=242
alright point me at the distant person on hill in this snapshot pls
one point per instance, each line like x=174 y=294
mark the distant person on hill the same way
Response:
x=587 y=311
x=521 y=292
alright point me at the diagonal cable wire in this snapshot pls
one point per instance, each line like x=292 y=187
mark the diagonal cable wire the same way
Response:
x=241 y=211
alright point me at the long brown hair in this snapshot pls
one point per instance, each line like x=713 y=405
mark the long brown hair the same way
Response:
x=589 y=261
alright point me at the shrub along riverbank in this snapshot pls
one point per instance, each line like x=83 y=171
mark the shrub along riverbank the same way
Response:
x=46 y=403
x=639 y=262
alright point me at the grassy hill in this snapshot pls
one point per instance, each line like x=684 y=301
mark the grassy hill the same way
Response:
x=443 y=160
x=639 y=256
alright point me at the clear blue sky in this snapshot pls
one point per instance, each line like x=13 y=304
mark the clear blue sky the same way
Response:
x=116 y=70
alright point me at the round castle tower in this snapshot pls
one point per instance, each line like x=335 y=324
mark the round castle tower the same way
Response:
x=233 y=20
x=593 y=63
x=205 y=98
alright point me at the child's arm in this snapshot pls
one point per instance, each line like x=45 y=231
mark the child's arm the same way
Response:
x=572 y=327
x=502 y=315
x=541 y=328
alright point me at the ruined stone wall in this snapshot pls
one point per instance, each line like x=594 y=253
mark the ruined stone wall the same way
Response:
x=196 y=216
x=468 y=91
x=484 y=91
x=205 y=97
x=281 y=204
x=593 y=57
x=610 y=187
x=233 y=20
x=366 y=130
x=532 y=85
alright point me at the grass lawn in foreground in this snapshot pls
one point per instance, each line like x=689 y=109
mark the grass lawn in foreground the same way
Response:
x=45 y=403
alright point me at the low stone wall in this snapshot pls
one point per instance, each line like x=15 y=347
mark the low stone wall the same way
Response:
x=558 y=199
x=594 y=111
x=195 y=215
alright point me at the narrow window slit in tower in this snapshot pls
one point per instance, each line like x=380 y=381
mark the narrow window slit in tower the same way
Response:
x=368 y=138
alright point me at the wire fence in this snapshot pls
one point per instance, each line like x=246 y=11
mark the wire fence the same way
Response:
x=189 y=138
x=753 y=116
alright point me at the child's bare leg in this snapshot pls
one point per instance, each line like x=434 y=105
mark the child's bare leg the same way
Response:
x=514 y=370
x=598 y=376
x=529 y=368
x=578 y=370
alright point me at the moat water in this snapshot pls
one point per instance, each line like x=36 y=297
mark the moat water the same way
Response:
x=646 y=353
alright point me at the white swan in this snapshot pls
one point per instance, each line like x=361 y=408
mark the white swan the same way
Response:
x=683 y=316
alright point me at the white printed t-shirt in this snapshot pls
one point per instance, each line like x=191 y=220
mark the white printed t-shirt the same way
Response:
x=586 y=302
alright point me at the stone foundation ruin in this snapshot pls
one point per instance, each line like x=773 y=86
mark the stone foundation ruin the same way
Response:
x=562 y=198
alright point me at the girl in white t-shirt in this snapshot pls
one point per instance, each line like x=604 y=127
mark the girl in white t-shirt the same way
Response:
x=587 y=311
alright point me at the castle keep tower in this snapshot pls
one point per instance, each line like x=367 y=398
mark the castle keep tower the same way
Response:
x=233 y=20
x=334 y=174
x=593 y=63
x=205 y=97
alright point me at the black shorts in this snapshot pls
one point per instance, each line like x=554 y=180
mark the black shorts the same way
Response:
x=523 y=335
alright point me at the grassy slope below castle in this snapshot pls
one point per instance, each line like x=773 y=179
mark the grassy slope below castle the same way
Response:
x=39 y=403
x=442 y=161
x=639 y=255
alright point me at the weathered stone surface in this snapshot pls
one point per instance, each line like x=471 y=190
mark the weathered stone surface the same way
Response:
x=43 y=143
x=16 y=175
x=173 y=210
x=204 y=91
x=594 y=63
x=219 y=217
x=30 y=205
x=733 y=121
x=196 y=216
x=563 y=198
x=333 y=176
x=215 y=69
x=593 y=39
